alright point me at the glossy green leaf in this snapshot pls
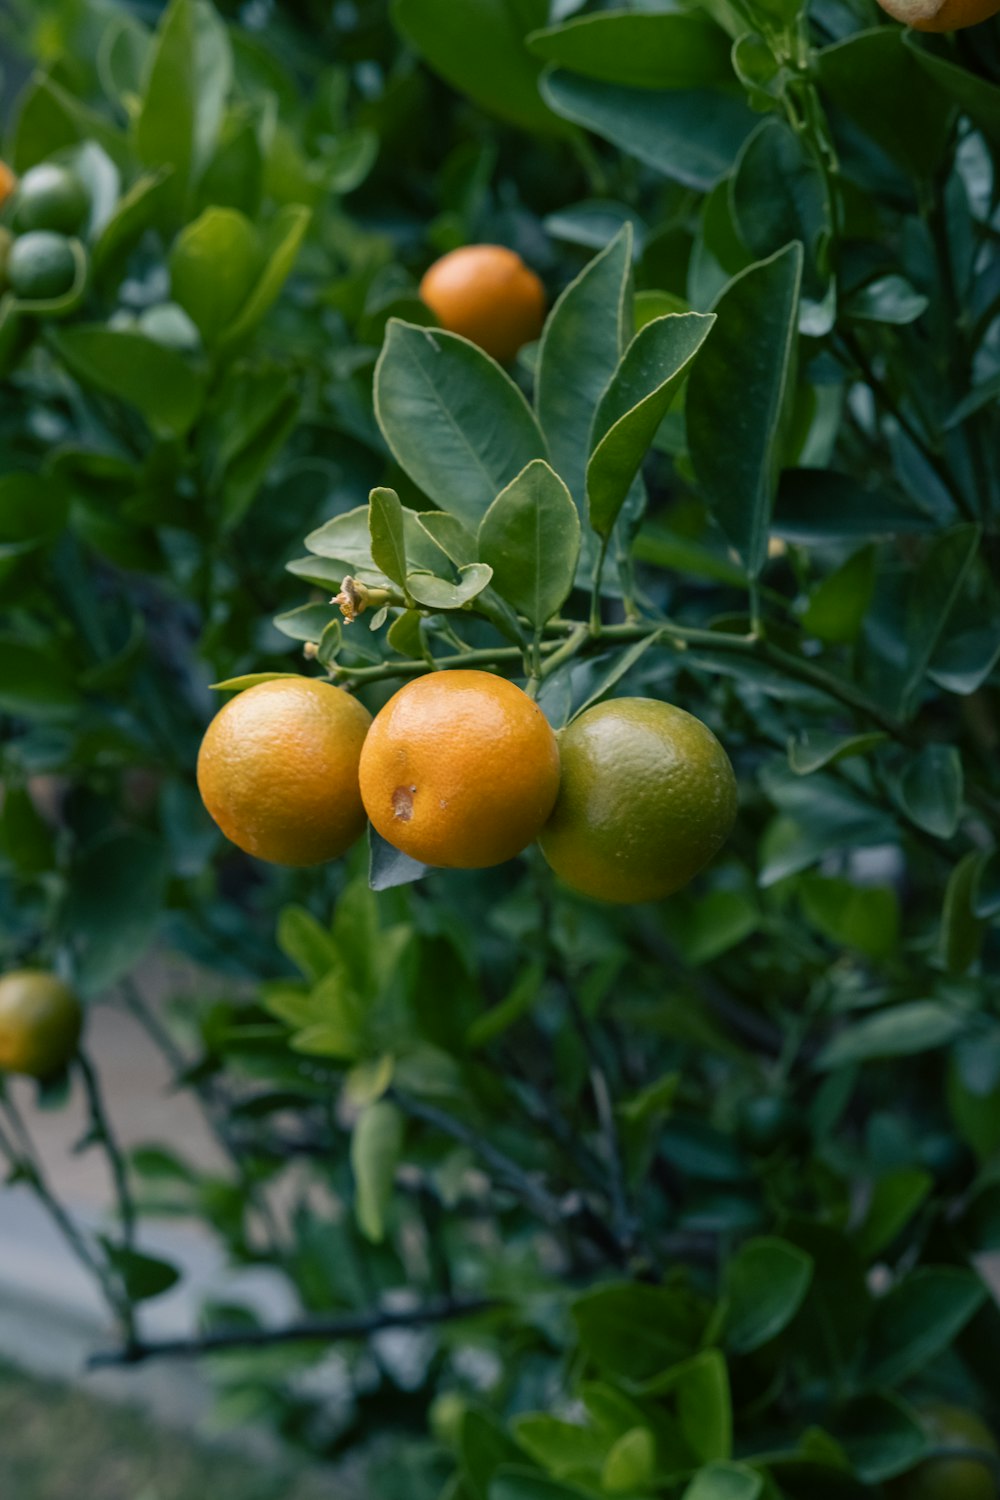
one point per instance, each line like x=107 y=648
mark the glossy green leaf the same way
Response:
x=739 y=386
x=936 y=589
x=282 y=241
x=481 y=50
x=930 y=789
x=453 y=420
x=689 y=135
x=865 y=918
x=674 y=50
x=887 y=299
x=437 y=593
x=813 y=749
x=894 y=1201
x=650 y=375
x=214 y=264
x=725 y=1482
x=163 y=385
x=838 y=605
x=388 y=541
x=388 y=867
x=974 y=94
x=777 y=194
x=530 y=537
x=583 y=341
x=874 y=78
x=631 y=1463
x=918 y=1319
x=766 y=1284
x=900 y=1031
x=134 y=213
x=635 y=1331
x=558 y=1447
x=375 y=1149
x=962 y=930
x=190 y=67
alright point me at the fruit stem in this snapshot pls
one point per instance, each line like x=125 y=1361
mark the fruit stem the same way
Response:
x=595 y=592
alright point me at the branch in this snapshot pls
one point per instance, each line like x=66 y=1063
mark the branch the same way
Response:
x=103 y=1133
x=350 y=1326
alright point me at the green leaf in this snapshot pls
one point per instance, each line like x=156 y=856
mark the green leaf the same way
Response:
x=895 y=1199
x=899 y=1031
x=308 y=944
x=936 y=588
x=249 y=680
x=700 y=1387
x=739 y=386
x=635 y=1331
x=524 y=1484
x=918 y=1320
x=975 y=95
x=837 y=607
x=188 y=79
x=49 y=118
x=634 y=405
x=644 y=51
x=725 y=1482
x=873 y=78
x=930 y=789
x=164 y=386
x=530 y=537
x=962 y=930
x=717 y=922
x=281 y=244
x=887 y=299
x=777 y=194
x=437 y=593
x=34 y=685
x=388 y=541
x=560 y=1447
x=375 y=1149
x=136 y=212
x=881 y=1436
x=818 y=505
x=456 y=424
x=308 y=622
x=347 y=540
x=143 y=1276
x=484 y=1447
x=689 y=135
x=766 y=1284
x=33 y=511
x=480 y=50
x=515 y=1004
x=582 y=343
x=631 y=1463
x=111 y=915
x=861 y=917
x=815 y=748
x=214 y=264
x=388 y=867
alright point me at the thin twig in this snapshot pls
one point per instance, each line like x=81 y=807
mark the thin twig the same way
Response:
x=350 y=1326
x=104 y=1134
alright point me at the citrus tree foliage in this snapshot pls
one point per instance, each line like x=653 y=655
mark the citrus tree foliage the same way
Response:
x=685 y=1200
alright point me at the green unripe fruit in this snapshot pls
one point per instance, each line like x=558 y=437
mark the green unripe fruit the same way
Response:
x=40 y=1022
x=41 y=265
x=958 y=1478
x=50 y=197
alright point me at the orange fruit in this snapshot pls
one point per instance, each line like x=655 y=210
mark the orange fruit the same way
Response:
x=951 y=1478
x=278 y=770
x=460 y=769
x=940 y=15
x=487 y=294
x=40 y=1023
x=8 y=182
x=647 y=797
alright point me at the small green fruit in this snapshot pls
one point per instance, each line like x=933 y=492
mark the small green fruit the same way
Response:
x=50 y=197
x=41 y=265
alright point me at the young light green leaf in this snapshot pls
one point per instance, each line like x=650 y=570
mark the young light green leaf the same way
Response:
x=388 y=539
x=281 y=246
x=583 y=341
x=634 y=405
x=740 y=387
x=457 y=424
x=214 y=264
x=838 y=605
x=766 y=1284
x=631 y=1463
x=530 y=537
x=725 y=1482
x=375 y=1148
x=437 y=593
x=188 y=79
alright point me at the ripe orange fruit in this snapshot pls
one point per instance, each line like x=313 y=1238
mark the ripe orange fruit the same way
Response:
x=8 y=182
x=460 y=769
x=647 y=797
x=278 y=770
x=950 y=1478
x=940 y=15
x=40 y=1023
x=487 y=294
